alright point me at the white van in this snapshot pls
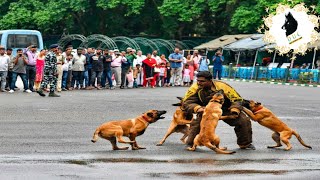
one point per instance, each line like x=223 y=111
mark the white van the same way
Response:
x=20 y=39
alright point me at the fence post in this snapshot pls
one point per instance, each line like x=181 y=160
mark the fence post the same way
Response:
x=230 y=70
x=286 y=77
x=257 y=67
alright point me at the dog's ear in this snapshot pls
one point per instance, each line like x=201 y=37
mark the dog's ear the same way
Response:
x=180 y=98
x=150 y=114
x=177 y=104
x=221 y=91
x=258 y=103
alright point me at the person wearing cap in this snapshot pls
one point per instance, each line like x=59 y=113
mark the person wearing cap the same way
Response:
x=61 y=59
x=31 y=53
x=10 y=67
x=50 y=72
x=116 y=66
x=4 y=63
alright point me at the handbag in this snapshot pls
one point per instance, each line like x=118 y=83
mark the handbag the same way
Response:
x=156 y=70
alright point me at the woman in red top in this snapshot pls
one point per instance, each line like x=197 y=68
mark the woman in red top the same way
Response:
x=148 y=71
x=39 y=68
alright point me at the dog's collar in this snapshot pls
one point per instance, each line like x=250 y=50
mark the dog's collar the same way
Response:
x=258 y=109
x=216 y=101
x=146 y=119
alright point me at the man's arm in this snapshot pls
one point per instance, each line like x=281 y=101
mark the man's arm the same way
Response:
x=214 y=58
x=171 y=59
x=191 y=101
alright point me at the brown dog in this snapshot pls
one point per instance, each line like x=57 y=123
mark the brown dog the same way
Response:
x=211 y=115
x=266 y=118
x=114 y=130
x=179 y=123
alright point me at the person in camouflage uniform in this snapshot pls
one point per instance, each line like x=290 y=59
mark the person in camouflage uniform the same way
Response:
x=50 y=72
x=199 y=95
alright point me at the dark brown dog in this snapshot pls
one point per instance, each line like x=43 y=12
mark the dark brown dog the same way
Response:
x=114 y=130
x=211 y=115
x=178 y=124
x=266 y=118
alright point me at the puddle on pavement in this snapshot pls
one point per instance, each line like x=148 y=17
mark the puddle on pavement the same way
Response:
x=179 y=161
x=229 y=172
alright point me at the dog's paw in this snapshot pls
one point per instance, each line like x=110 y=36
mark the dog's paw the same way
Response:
x=159 y=144
x=135 y=148
x=93 y=141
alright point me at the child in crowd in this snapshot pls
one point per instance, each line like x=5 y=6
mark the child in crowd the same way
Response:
x=168 y=77
x=136 y=71
x=163 y=73
x=186 y=75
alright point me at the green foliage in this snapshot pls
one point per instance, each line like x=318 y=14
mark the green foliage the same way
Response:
x=165 y=18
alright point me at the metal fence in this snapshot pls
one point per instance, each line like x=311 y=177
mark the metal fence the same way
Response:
x=276 y=74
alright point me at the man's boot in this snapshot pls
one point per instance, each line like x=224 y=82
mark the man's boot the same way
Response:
x=52 y=94
x=41 y=93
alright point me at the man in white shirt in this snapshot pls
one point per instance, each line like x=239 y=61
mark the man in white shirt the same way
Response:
x=79 y=60
x=138 y=60
x=4 y=63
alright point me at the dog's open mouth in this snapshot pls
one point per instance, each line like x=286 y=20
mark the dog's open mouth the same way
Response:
x=160 y=113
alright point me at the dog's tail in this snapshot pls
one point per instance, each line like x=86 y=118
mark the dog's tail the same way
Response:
x=300 y=139
x=95 y=135
x=219 y=151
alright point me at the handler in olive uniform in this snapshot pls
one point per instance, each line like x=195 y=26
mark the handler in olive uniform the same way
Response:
x=50 y=72
x=199 y=95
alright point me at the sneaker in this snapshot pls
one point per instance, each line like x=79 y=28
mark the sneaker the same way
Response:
x=3 y=90
x=249 y=146
x=11 y=91
x=52 y=94
x=27 y=91
x=112 y=88
x=40 y=92
x=121 y=87
x=64 y=89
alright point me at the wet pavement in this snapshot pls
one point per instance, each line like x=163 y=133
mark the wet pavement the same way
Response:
x=49 y=138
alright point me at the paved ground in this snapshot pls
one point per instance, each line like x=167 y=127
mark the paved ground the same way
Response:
x=49 y=138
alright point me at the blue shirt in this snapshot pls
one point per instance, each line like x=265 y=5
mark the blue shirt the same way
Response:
x=217 y=63
x=175 y=56
x=203 y=65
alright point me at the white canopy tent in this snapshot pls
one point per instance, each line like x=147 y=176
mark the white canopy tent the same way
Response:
x=222 y=41
x=253 y=43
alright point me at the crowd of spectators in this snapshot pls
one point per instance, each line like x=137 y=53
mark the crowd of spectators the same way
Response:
x=96 y=68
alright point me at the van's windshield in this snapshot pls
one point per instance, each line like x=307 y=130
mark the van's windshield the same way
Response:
x=22 y=40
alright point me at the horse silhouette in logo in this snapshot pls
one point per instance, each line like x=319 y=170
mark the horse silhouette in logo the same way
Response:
x=290 y=24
